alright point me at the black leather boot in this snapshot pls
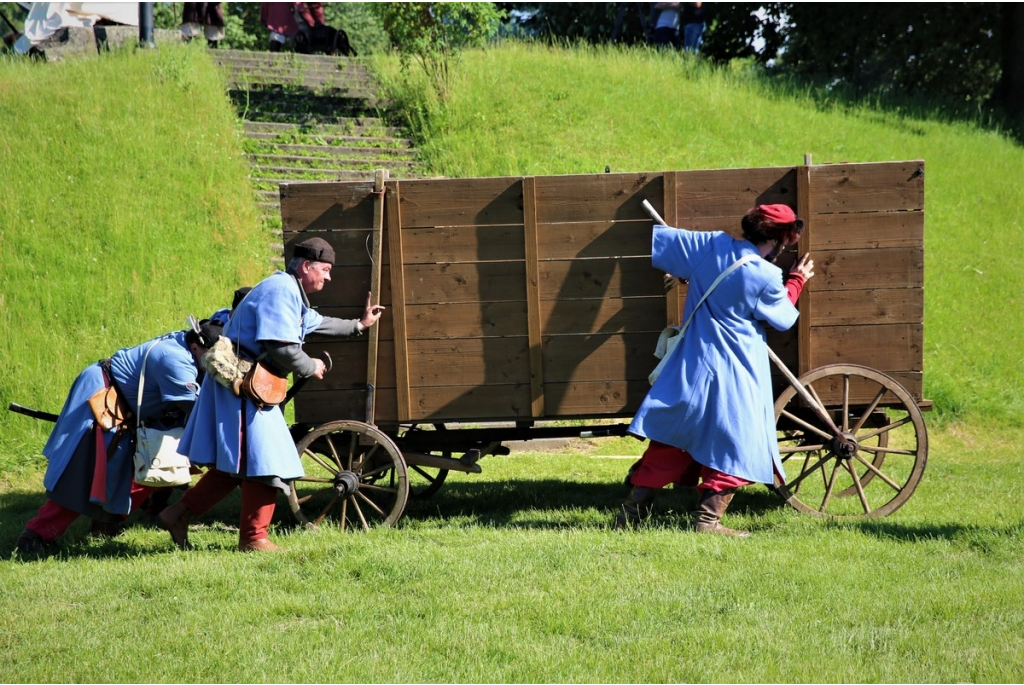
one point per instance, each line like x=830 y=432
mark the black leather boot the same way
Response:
x=708 y=515
x=636 y=508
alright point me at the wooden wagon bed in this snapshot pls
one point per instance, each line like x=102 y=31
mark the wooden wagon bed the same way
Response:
x=533 y=298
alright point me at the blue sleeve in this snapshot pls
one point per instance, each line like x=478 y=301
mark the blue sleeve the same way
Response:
x=311 y=321
x=279 y=314
x=773 y=305
x=174 y=373
x=678 y=251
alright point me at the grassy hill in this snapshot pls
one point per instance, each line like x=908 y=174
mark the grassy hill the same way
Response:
x=533 y=110
x=126 y=205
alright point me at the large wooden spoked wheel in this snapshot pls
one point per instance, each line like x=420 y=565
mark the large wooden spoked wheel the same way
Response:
x=355 y=477
x=424 y=480
x=873 y=466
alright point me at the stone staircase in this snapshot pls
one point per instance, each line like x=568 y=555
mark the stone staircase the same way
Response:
x=311 y=118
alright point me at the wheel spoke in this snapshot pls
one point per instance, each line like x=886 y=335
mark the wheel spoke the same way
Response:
x=886 y=450
x=895 y=486
x=801 y=448
x=871 y=407
x=327 y=509
x=353 y=443
x=316 y=457
x=372 y=504
x=857 y=484
x=885 y=429
x=344 y=513
x=359 y=512
x=334 y=452
x=423 y=473
x=829 y=485
x=807 y=471
x=377 y=471
x=378 y=488
x=801 y=422
x=311 y=479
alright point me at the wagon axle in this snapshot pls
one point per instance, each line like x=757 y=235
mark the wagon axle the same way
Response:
x=845 y=446
x=346 y=483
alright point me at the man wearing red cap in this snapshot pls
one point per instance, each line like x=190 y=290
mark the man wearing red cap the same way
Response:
x=247 y=444
x=709 y=415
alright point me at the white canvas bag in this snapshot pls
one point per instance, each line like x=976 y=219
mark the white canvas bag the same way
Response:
x=157 y=462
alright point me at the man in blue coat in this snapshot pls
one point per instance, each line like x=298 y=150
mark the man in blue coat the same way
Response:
x=709 y=415
x=85 y=475
x=245 y=444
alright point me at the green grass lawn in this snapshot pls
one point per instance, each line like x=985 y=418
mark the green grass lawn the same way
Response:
x=512 y=575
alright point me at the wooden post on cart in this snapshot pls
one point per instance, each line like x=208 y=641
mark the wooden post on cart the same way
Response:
x=379 y=185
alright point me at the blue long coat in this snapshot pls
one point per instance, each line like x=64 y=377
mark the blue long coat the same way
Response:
x=714 y=395
x=222 y=422
x=171 y=377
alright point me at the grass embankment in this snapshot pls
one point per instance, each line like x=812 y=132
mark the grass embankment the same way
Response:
x=126 y=205
x=513 y=575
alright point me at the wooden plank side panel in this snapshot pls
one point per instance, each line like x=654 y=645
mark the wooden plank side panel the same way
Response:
x=617 y=398
x=596 y=197
x=465 y=282
x=898 y=267
x=862 y=392
x=326 y=206
x=599 y=278
x=873 y=187
x=450 y=244
x=462 y=202
x=863 y=230
x=574 y=358
x=348 y=287
x=320 y=406
x=731 y=192
x=866 y=307
x=590 y=239
x=618 y=315
x=471 y=361
x=886 y=347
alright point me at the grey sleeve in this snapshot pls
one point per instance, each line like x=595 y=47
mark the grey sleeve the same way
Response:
x=290 y=357
x=339 y=328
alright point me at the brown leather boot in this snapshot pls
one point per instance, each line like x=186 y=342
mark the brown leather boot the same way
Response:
x=261 y=545
x=708 y=515
x=31 y=544
x=175 y=519
x=636 y=508
x=105 y=529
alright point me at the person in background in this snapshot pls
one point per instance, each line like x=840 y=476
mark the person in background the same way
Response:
x=285 y=19
x=693 y=23
x=247 y=445
x=202 y=18
x=709 y=415
x=666 y=27
x=88 y=474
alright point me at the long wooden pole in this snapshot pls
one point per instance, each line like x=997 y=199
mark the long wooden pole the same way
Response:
x=379 y=180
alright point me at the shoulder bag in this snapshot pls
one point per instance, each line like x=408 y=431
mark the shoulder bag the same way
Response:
x=670 y=337
x=157 y=462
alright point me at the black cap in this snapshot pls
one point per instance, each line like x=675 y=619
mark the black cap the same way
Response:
x=239 y=296
x=316 y=249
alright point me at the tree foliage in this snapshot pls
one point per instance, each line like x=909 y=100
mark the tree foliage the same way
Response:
x=433 y=34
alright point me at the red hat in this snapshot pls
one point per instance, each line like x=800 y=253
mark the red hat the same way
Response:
x=780 y=214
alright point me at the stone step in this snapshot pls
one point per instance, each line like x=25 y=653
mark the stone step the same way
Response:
x=279 y=176
x=276 y=100
x=301 y=118
x=368 y=132
x=336 y=88
x=282 y=58
x=260 y=161
x=330 y=152
x=292 y=75
x=300 y=173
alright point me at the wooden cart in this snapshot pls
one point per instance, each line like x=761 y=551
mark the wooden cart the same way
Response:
x=513 y=302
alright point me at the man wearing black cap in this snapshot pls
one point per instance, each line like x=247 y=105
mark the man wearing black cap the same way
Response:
x=84 y=475
x=247 y=444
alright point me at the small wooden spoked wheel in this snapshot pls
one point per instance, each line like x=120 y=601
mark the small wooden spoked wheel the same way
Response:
x=872 y=466
x=355 y=477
